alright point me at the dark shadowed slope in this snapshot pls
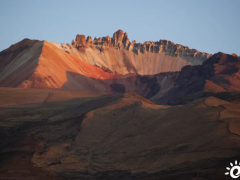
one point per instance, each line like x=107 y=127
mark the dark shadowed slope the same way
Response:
x=73 y=135
x=19 y=61
x=219 y=73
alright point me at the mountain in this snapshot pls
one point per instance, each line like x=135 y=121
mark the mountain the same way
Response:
x=114 y=65
x=103 y=65
x=112 y=109
x=58 y=134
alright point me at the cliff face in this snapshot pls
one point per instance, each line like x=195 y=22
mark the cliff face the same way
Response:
x=119 y=55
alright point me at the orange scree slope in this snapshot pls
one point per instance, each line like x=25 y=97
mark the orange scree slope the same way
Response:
x=46 y=66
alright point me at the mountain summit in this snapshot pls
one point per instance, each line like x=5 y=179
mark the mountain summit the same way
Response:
x=119 y=55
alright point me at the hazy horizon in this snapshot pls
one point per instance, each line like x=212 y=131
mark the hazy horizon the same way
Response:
x=208 y=26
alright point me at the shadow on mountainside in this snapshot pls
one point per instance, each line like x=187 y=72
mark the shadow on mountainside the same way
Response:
x=150 y=87
x=146 y=86
x=28 y=128
x=153 y=87
x=19 y=61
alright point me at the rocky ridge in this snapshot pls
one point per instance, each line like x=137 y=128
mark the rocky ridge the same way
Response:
x=120 y=40
x=119 y=55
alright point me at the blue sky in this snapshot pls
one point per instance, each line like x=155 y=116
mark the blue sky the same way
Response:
x=207 y=25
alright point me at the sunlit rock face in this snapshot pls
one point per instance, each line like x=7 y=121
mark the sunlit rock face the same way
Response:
x=80 y=40
x=119 y=55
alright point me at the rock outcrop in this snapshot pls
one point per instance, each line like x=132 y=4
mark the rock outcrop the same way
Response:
x=120 y=55
x=120 y=41
x=80 y=40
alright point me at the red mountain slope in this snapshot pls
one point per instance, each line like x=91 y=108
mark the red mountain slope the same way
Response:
x=37 y=64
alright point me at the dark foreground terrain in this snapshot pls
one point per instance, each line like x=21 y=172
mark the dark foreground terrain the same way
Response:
x=63 y=134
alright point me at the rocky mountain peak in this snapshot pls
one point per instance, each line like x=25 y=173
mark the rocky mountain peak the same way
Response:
x=81 y=40
x=120 y=40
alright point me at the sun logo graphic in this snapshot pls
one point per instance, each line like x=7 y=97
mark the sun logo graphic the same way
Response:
x=234 y=170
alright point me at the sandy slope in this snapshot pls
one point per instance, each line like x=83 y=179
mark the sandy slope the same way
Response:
x=124 y=62
x=54 y=65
